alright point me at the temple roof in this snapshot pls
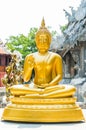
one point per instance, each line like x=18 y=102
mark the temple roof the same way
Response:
x=76 y=29
x=2 y=51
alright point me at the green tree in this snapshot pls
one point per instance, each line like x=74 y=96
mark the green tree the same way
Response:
x=23 y=44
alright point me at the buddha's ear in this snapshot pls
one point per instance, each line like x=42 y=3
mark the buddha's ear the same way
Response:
x=50 y=39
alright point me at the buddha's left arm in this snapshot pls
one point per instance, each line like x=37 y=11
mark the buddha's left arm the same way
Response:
x=58 y=70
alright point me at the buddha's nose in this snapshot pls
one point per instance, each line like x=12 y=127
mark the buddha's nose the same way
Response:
x=42 y=41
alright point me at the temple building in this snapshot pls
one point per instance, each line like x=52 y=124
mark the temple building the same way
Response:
x=75 y=42
x=72 y=44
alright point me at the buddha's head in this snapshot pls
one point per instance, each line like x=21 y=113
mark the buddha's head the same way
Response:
x=43 y=38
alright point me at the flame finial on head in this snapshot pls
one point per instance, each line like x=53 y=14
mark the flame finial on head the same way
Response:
x=43 y=23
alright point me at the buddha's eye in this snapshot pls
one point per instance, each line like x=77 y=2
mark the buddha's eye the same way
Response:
x=40 y=40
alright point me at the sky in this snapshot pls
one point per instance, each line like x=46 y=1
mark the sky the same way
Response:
x=18 y=16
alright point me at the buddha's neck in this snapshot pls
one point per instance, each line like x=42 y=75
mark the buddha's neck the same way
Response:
x=43 y=53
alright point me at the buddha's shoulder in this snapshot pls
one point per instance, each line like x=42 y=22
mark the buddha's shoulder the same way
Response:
x=55 y=55
x=29 y=56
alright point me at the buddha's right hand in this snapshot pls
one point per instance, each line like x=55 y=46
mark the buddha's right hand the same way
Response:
x=54 y=88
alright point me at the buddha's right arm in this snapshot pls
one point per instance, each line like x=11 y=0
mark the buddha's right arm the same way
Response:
x=28 y=67
x=27 y=75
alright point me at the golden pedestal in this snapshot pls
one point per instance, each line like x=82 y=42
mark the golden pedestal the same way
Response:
x=43 y=110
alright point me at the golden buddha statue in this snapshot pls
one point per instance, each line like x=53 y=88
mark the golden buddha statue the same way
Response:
x=44 y=99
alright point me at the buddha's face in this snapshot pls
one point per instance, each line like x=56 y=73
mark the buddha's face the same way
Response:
x=42 y=43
